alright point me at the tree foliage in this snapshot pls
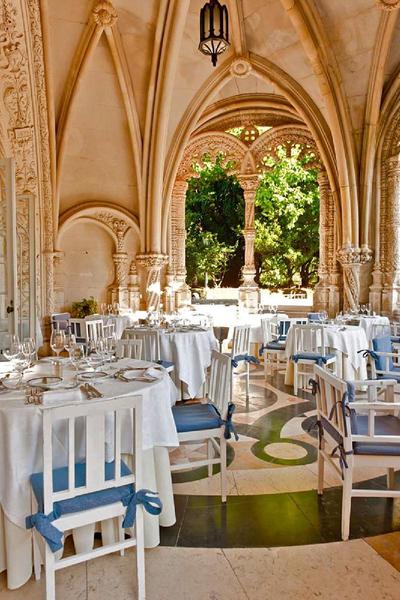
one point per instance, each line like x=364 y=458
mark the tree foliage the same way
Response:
x=287 y=222
x=214 y=223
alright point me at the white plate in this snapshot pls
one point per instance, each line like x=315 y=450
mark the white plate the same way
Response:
x=92 y=376
x=51 y=359
x=45 y=381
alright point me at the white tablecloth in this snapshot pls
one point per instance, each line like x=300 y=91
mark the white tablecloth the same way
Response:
x=121 y=322
x=20 y=456
x=348 y=340
x=376 y=326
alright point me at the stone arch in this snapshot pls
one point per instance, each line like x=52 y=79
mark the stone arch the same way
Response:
x=287 y=136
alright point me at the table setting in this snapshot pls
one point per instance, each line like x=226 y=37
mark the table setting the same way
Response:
x=26 y=392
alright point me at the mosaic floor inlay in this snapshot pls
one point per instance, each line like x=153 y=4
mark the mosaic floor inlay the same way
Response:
x=272 y=481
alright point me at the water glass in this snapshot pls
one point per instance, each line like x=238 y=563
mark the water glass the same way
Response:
x=57 y=341
x=11 y=346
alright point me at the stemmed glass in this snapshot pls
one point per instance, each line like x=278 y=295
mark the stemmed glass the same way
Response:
x=103 y=308
x=69 y=342
x=57 y=341
x=110 y=347
x=29 y=349
x=76 y=355
x=11 y=347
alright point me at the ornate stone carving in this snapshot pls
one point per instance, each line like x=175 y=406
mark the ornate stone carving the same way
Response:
x=289 y=136
x=351 y=258
x=388 y=4
x=117 y=226
x=121 y=263
x=240 y=68
x=104 y=14
x=249 y=289
x=133 y=287
x=152 y=264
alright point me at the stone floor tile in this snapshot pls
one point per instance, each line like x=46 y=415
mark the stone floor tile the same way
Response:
x=388 y=546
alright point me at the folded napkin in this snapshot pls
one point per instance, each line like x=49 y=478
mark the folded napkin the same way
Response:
x=153 y=372
x=150 y=373
x=56 y=397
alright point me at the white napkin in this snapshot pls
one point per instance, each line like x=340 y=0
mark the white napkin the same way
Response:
x=152 y=372
x=56 y=397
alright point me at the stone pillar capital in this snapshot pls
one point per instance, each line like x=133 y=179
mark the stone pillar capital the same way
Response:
x=152 y=260
x=388 y=4
x=104 y=14
x=249 y=184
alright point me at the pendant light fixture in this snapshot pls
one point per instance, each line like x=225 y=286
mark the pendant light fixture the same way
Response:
x=214 y=30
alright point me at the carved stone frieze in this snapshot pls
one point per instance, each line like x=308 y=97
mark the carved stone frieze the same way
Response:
x=351 y=258
x=266 y=146
x=104 y=14
x=388 y=4
x=211 y=144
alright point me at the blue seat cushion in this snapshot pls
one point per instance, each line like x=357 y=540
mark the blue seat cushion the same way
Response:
x=86 y=501
x=394 y=374
x=165 y=363
x=314 y=316
x=382 y=344
x=196 y=417
x=319 y=358
x=395 y=339
x=275 y=345
x=385 y=425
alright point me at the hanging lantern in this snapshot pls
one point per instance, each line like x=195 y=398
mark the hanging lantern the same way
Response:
x=214 y=30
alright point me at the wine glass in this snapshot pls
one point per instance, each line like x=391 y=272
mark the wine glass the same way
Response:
x=76 y=355
x=57 y=341
x=11 y=347
x=69 y=342
x=103 y=308
x=29 y=349
x=115 y=308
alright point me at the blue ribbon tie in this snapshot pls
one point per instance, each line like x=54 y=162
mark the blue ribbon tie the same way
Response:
x=261 y=350
x=370 y=353
x=43 y=524
x=150 y=501
x=246 y=357
x=229 y=425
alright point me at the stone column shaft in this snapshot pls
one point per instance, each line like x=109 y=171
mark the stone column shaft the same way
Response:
x=248 y=292
x=391 y=242
x=178 y=243
x=152 y=264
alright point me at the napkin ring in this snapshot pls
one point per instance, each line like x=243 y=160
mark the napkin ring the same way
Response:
x=33 y=396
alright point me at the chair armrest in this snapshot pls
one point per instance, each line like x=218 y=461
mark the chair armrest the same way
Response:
x=374 y=382
x=378 y=406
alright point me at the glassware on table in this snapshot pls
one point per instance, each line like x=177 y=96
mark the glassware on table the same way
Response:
x=76 y=355
x=115 y=308
x=57 y=341
x=103 y=308
x=29 y=350
x=11 y=346
x=110 y=347
x=109 y=309
x=94 y=353
x=70 y=342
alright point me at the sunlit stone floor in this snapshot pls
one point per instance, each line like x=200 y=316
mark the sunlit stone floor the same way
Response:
x=269 y=542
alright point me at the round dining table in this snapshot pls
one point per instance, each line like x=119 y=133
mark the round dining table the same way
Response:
x=21 y=454
x=346 y=341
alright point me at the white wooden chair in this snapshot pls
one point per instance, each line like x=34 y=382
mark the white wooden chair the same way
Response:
x=151 y=351
x=60 y=496
x=364 y=432
x=309 y=349
x=241 y=349
x=78 y=328
x=209 y=421
x=60 y=321
x=275 y=332
x=384 y=359
x=94 y=329
x=129 y=349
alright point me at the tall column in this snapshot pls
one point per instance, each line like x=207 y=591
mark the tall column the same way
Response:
x=119 y=290
x=152 y=265
x=178 y=243
x=326 y=295
x=248 y=291
x=391 y=289
x=133 y=288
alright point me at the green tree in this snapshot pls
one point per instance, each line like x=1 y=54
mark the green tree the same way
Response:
x=214 y=223
x=287 y=222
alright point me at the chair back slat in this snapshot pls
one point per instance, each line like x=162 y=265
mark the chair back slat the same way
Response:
x=241 y=340
x=219 y=390
x=330 y=393
x=101 y=419
x=150 y=343
x=78 y=328
x=129 y=349
x=94 y=329
x=309 y=338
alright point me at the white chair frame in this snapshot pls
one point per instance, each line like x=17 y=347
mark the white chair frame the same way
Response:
x=376 y=373
x=150 y=344
x=373 y=397
x=309 y=338
x=219 y=394
x=271 y=332
x=78 y=328
x=241 y=345
x=129 y=349
x=94 y=329
x=94 y=414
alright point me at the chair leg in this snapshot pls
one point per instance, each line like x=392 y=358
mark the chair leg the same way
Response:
x=121 y=534
x=37 y=560
x=141 y=575
x=265 y=366
x=50 y=574
x=346 y=502
x=321 y=469
x=390 y=479
x=210 y=454
x=247 y=382
x=223 y=466
x=295 y=378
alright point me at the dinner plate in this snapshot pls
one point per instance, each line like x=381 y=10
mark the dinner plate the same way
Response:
x=45 y=381
x=92 y=375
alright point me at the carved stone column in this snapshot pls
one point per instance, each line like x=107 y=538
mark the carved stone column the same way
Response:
x=169 y=303
x=58 y=288
x=152 y=264
x=326 y=295
x=248 y=292
x=391 y=289
x=178 y=243
x=119 y=290
x=133 y=288
x=351 y=258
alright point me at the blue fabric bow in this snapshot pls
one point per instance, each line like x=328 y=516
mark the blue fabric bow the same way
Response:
x=246 y=357
x=370 y=353
x=319 y=360
x=313 y=383
x=150 y=501
x=262 y=348
x=229 y=426
x=43 y=524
